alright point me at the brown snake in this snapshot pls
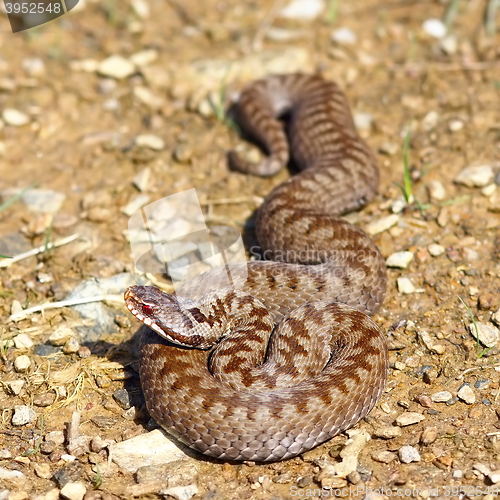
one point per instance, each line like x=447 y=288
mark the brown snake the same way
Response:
x=215 y=370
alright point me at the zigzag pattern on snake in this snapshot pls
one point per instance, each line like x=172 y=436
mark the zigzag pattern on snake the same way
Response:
x=291 y=359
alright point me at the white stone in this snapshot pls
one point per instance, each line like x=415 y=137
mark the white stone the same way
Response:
x=141 y=8
x=436 y=250
x=494 y=477
x=147 y=97
x=383 y=224
x=60 y=335
x=73 y=491
x=350 y=453
x=405 y=285
x=437 y=191
x=430 y=344
x=466 y=394
x=303 y=10
x=344 y=36
x=14 y=387
x=408 y=454
x=441 y=397
x=147 y=449
x=409 y=418
x=23 y=341
x=489 y=190
x=150 y=141
x=399 y=259
x=476 y=176
x=455 y=125
x=141 y=179
x=44 y=201
x=34 y=66
x=449 y=44
x=135 y=204
x=430 y=120
x=10 y=475
x=398 y=206
x=116 y=67
x=487 y=334
x=363 y=121
x=144 y=57
x=23 y=415
x=14 y=117
x=434 y=27
x=85 y=65
x=181 y=492
x=22 y=363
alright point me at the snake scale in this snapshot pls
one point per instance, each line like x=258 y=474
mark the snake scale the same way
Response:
x=291 y=358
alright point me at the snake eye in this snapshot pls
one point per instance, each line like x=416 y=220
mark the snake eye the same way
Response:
x=147 y=309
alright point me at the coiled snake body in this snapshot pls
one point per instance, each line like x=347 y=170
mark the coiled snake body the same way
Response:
x=215 y=370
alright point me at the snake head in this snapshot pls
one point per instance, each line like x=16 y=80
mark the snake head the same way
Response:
x=165 y=313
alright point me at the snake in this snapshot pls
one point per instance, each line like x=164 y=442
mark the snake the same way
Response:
x=268 y=370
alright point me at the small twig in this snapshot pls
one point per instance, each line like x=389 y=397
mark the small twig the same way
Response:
x=38 y=250
x=65 y=303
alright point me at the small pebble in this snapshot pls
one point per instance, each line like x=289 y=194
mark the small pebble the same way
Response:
x=135 y=204
x=487 y=334
x=405 y=285
x=73 y=491
x=455 y=125
x=181 y=492
x=150 y=141
x=302 y=10
x=23 y=341
x=144 y=57
x=116 y=67
x=14 y=387
x=389 y=148
x=430 y=120
x=141 y=180
x=409 y=418
x=408 y=454
x=344 y=36
x=449 y=44
x=71 y=346
x=14 y=117
x=441 y=397
x=23 y=415
x=42 y=470
x=22 y=363
x=398 y=206
x=434 y=27
x=436 y=191
x=436 y=250
x=33 y=66
x=383 y=224
x=424 y=401
x=476 y=176
x=61 y=335
x=384 y=457
x=363 y=121
x=466 y=394
x=387 y=432
x=399 y=259
x=489 y=190
x=494 y=477
x=429 y=435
